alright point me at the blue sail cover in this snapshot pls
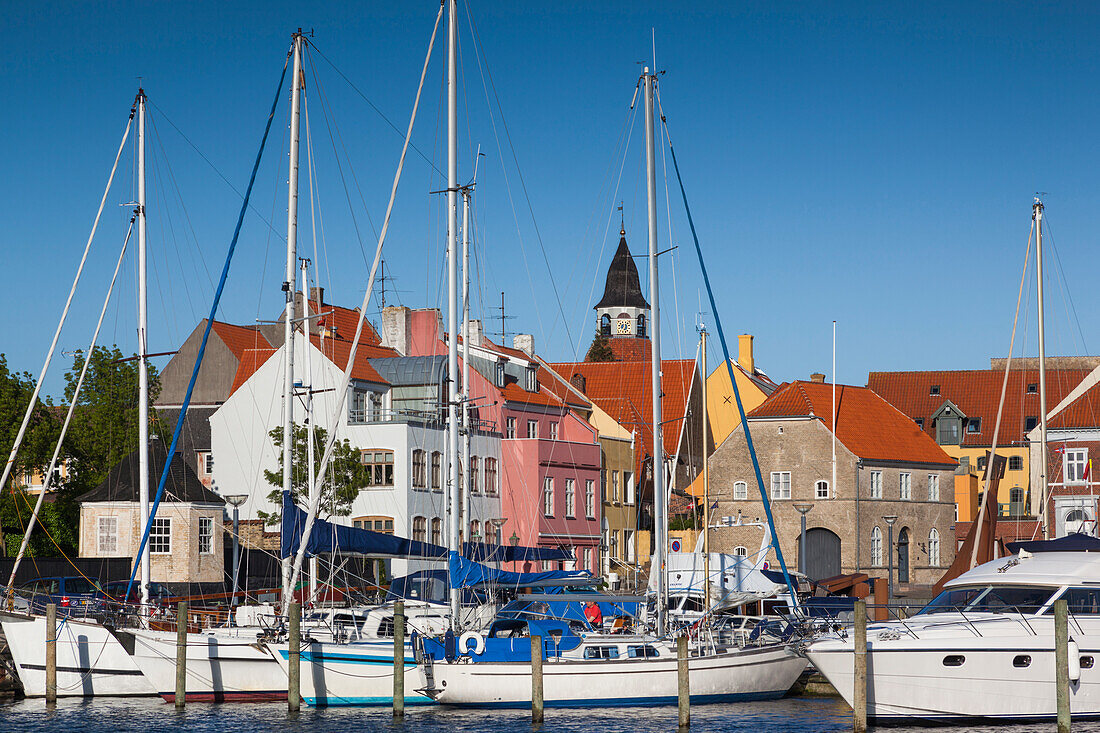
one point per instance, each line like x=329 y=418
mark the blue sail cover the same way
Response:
x=327 y=537
x=1077 y=542
x=468 y=574
x=506 y=553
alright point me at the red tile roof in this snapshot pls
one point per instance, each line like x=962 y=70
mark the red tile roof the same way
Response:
x=866 y=424
x=514 y=393
x=1083 y=412
x=506 y=350
x=238 y=339
x=630 y=348
x=559 y=386
x=250 y=361
x=977 y=393
x=338 y=351
x=344 y=321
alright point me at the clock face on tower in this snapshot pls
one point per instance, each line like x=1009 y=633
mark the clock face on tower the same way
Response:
x=624 y=326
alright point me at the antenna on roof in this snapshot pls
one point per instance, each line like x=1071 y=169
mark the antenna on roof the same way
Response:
x=622 y=219
x=503 y=317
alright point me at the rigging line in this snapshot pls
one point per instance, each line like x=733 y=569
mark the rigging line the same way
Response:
x=372 y=104
x=312 y=173
x=1067 y=297
x=1000 y=406
x=213 y=167
x=479 y=53
x=65 y=312
x=171 y=230
x=341 y=395
x=68 y=417
x=206 y=333
x=671 y=241
x=729 y=367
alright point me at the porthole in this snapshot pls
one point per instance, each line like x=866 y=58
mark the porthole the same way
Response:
x=1020 y=660
x=953 y=660
x=1086 y=662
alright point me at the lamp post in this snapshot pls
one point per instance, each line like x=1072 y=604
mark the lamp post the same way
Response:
x=236 y=500
x=890 y=555
x=803 y=509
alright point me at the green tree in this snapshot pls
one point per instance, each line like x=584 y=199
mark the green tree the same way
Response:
x=346 y=474
x=600 y=350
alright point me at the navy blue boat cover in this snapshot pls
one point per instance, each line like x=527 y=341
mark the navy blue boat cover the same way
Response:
x=1076 y=542
x=468 y=574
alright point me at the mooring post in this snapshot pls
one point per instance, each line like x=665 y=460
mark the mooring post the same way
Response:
x=398 y=660
x=294 y=659
x=859 y=680
x=536 y=680
x=51 y=654
x=181 y=654
x=1061 y=662
x=683 y=689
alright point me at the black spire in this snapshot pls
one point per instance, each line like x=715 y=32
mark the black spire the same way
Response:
x=623 y=287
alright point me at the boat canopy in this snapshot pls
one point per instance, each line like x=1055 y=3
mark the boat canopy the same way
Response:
x=468 y=574
x=1076 y=542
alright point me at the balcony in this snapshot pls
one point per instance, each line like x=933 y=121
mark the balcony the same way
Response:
x=424 y=418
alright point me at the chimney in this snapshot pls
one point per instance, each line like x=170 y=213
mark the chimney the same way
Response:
x=744 y=353
x=317 y=295
x=525 y=342
x=578 y=382
x=474 y=335
x=817 y=378
x=396 y=329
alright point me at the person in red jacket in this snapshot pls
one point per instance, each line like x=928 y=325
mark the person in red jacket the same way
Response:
x=593 y=614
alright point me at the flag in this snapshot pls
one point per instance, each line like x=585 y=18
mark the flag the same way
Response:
x=1088 y=470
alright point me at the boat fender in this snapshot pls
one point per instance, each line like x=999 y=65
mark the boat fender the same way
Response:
x=479 y=643
x=1074 y=661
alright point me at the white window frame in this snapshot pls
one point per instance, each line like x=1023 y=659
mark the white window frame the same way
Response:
x=548 y=497
x=614 y=487
x=554 y=430
x=817 y=490
x=160 y=536
x=740 y=491
x=532 y=428
x=509 y=427
x=933 y=487
x=934 y=547
x=876 y=547
x=876 y=484
x=570 y=498
x=590 y=499
x=107 y=536
x=741 y=551
x=206 y=536
x=905 y=486
x=1075 y=462
x=628 y=545
x=781 y=489
x=628 y=488
x=586 y=555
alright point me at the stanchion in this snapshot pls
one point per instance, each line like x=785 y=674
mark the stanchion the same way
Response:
x=859 y=681
x=399 y=660
x=181 y=655
x=536 y=680
x=51 y=654
x=294 y=666
x=1061 y=663
x=683 y=688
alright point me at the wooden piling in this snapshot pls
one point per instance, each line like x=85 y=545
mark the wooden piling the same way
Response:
x=1061 y=663
x=181 y=655
x=294 y=659
x=398 y=660
x=536 y=680
x=51 y=654
x=682 y=684
x=859 y=680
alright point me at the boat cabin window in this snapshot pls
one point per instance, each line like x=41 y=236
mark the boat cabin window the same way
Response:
x=385 y=629
x=1083 y=601
x=692 y=604
x=601 y=652
x=640 y=651
x=990 y=599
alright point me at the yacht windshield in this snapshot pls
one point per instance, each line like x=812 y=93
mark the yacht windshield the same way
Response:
x=990 y=599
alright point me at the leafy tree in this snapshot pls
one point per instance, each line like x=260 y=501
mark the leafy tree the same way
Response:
x=600 y=350
x=346 y=474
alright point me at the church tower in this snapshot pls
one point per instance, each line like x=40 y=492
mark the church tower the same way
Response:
x=623 y=311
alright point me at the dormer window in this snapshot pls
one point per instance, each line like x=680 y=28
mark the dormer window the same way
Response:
x=934 y=389
x=1032 y=388
x=531 y=379
x=640 y=330
x=499 y=380
x=1029 y=423
x=605 y=325
x=974 y=425
x=947 y=429
x=920 y=422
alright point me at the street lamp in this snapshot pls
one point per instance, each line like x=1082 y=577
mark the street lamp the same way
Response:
x=235 y=501
x=890 y=555
x=803 y=509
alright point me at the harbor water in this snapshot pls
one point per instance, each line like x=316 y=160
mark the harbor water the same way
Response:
x=797 y=714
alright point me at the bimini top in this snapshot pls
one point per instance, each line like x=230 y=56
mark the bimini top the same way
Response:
x=1049 y=568
x=1076 y=542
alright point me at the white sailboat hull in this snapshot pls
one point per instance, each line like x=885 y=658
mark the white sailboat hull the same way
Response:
x=358 y=673
x=748 y=674
x=91 y=662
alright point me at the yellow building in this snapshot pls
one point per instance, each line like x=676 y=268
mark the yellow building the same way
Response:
x=753 y=384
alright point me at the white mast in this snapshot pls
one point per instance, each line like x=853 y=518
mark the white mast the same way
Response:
x=454 y=536
x=466 y=354
x=660 y=509
x=313 y=564
x=832 y=486
x=143 y=351
x=706 y=480
x=1037 y=213
x=288 y=288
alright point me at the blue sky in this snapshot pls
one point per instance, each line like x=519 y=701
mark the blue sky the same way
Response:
x=870 y=163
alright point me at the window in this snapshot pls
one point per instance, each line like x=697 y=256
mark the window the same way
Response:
x=781 y=484
x=382 y=525
x=605 y=325
x=934 y=389
x=491 y=476
x=1030 y=422
x=876 y=484
x=532 y=428
x=876 y=547
x=982 y=462
x=974 y=425
x=207 y=463
x=934 y=547
x=420 y=469
x=1032 y=388
x=740 y=491
x=160 y=536
x=933 y=487
x=107 y=536
x=905 y=485
x=628 y=487
x=947 y=430
x=586 y=558
x=475 y=531
x=499 y=374
x=437 y=531
x=420 y=529
x=379 y=465
x=475 y=465
x=589 y=500
x=601 y=652
x=510 y=427
x=437 y=470
x=554 y=430
x=920 y=422
x=1015 y=463
x=628 y=545
x=1076 y=465
x=206 y=535
x=531 y=379
x=640 y=331
x=570 y=497
x=821 y=490
x=357 y=407
x=614 y=487
x=643 y=650
x=741 y=551
x=548 y=496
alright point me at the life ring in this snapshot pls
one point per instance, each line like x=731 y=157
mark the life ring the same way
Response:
x=464 y=643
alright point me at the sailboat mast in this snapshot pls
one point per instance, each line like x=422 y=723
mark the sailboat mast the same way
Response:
x=143 y=351
x=706 y=479
x=288 y=289
x=660 y=509
x=1037 y=213
x=313 y=564
x=466 y=354
x=454 y=536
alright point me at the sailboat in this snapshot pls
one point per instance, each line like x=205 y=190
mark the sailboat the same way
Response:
x=591 y=667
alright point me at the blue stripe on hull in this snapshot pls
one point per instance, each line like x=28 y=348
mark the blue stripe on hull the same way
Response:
x=333 y=702
x=627 y=702
x=321 y=658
